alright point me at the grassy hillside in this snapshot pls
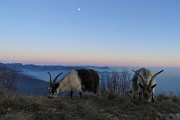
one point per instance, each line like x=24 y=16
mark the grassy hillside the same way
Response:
x=108 y=107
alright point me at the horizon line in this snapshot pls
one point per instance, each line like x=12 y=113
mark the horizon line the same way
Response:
x=74 y=65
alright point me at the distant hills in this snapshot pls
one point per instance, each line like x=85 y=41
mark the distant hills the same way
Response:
x=33 y=79
x=18 y=66
x=29 y=84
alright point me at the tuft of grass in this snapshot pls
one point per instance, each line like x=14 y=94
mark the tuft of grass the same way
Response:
x=162 y=96
x=175 y=99
x=17 y=116
x=109 y=94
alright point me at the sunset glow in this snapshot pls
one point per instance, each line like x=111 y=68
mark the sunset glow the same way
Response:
x=102 y=33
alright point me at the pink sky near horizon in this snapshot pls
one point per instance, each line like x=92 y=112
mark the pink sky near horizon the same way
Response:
x=100 y=60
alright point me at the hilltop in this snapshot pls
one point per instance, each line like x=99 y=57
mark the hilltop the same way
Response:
x=103 y=107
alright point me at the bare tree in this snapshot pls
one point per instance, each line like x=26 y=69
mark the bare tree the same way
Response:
x=124 y=81
x=116 y=81
x=7 y=79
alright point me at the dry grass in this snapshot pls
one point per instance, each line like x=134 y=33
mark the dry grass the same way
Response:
x=107 y=107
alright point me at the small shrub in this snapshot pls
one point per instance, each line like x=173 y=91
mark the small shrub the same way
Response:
x=175 y=99
x=7 y=79
x=162 y=96
x=109 y=94
x=136 y=102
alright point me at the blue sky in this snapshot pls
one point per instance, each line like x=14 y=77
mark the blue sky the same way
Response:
x=102 y=32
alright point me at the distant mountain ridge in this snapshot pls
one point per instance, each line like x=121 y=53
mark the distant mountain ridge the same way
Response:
x=18 y=66
x=169 y=80
x=28 y=84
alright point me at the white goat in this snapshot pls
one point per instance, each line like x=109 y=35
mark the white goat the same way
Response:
x=79 y=80
x=143 y=84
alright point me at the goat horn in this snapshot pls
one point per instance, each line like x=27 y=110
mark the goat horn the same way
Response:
x=54 y=81
x=139 y=76
x=155 y=75
x=50 y=78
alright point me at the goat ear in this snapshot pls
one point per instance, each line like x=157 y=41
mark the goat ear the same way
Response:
x=141 y=86
x=153 y=86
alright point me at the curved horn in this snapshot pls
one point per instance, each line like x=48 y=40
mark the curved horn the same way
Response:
x=155 y=76
x=50 y=78
x=139 y=76
x=54 y=81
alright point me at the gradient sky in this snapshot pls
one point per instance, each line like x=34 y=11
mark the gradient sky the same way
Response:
x=102 y=32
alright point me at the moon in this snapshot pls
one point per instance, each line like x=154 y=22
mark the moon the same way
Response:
x=79 y=9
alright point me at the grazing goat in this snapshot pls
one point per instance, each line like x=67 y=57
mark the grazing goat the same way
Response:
x=143 y=84
x=79 y=80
